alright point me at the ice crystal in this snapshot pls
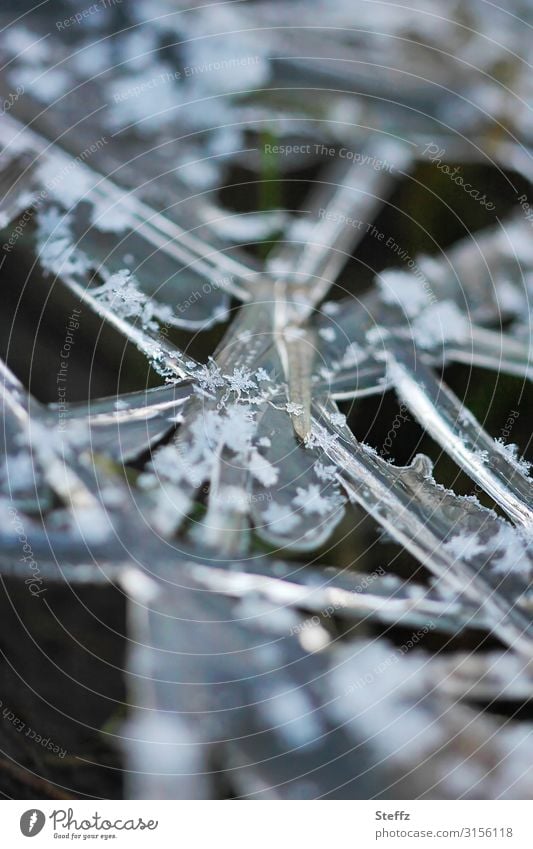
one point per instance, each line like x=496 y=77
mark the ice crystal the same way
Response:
x=325 y=473
x=57 y=251
x=294 y=409
x=327 y=333
x=262 y=470
x=465 y=546
x=405 y=290
x=241 y=380
x=122 y=295
x=281 y=517
x=440 y=323
x=311 y=500
x=512 y=452
x=321 y=438
x=352 y=356
x=209 y=377
x=19 y=473
x=511 y=553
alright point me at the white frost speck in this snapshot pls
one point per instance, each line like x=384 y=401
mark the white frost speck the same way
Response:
x=294 y=409
x=311 y=500
x=262 y=469
x=338 y=419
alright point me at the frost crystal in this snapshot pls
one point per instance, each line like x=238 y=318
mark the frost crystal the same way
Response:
x=209 y=377
x=321 y=438
x=325 y=473
x=331 y=308
x=311 y=500
x=507 y=550
x=294 y=409
x=57 y=251
x=405 y=290
x=234 y=429
x=241 y=380
x=283 y=518
x=440 y=323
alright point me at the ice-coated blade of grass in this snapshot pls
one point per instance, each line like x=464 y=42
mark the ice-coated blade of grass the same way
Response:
x=22 y=483
x=165 y=358
x=244 y=369
x=118 y=302
x=456 y=430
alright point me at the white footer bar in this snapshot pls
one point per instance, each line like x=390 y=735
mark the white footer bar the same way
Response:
x=268 y=824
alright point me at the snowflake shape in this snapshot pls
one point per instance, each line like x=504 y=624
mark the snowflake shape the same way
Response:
x=294 y=409
x=281 y=516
